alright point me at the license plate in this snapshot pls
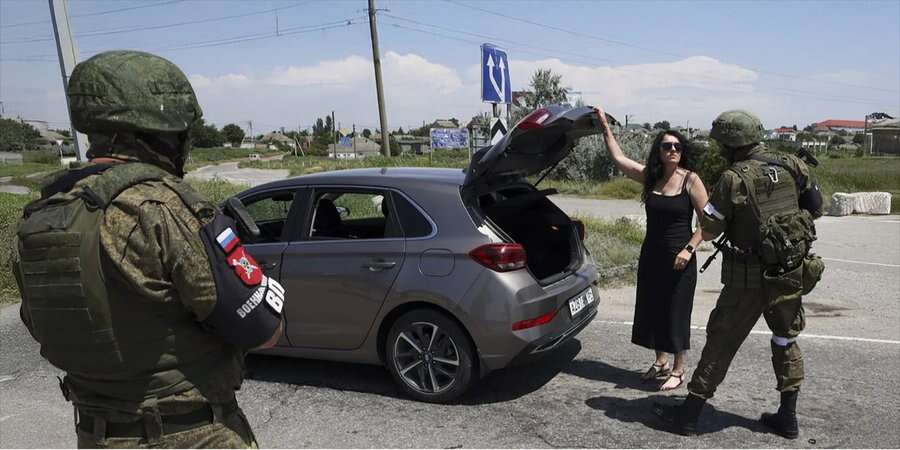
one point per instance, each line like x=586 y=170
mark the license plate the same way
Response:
x=581 y=301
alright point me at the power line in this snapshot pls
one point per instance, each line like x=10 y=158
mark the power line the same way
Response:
x=789 y=92
x=113 y=31
x=647 y=49
x=99 y=13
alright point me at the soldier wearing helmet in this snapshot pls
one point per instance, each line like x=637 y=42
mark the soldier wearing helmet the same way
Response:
x=134 y=285
x=759 y=189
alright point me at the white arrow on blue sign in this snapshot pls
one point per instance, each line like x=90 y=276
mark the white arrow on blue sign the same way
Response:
x=494 y=75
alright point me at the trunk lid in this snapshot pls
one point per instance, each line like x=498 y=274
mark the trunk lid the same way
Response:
x=537 y=142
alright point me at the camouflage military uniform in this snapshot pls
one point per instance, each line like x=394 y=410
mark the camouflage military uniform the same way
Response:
x=744 y=299
x=758 y=194
x=135 y=306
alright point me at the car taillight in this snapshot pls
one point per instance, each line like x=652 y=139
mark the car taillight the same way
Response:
x=582 y=230
x=500 y=257
x=540 y=320
x=534 y=120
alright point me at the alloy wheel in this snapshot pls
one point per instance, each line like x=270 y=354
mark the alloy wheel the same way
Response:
x=426 y=358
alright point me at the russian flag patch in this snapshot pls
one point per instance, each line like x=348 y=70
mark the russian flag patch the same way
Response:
x=227 y=240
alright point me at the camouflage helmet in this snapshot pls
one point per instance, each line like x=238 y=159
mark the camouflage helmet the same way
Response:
x=736 y=129
x=133 y=91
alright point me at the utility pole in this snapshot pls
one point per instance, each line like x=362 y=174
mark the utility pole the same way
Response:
x=376 y=58
x=355 y=155
x=68 y=57
x=334 y=133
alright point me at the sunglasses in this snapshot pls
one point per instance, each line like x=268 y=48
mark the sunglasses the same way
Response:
x=669 y=146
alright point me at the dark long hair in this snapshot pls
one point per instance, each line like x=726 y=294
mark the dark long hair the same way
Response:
x=654 y=167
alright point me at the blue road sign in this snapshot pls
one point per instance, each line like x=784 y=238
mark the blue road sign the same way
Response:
x=449 y=138
x=494 y=75
x=345 y=141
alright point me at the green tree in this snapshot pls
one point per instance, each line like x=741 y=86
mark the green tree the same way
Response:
x=233 y=134
x=16 y=136
x=366 y=133
x=708 y=161
x=836 y=140
x=664 y=125
x=859 y=139
x=545 y=88
x=647 y=126
x=206 y=136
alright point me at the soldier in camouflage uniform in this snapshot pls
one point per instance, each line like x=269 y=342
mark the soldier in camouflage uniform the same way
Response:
x=133 y=284
x=758 y=185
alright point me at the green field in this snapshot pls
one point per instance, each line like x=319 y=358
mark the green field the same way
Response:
x=860 y=174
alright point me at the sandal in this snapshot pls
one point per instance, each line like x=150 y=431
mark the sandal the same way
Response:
x=680 y=378
x=656 y=371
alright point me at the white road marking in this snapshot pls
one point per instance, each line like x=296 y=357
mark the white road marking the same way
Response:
x=769 y=333
x=861 y=262
x=6 y=378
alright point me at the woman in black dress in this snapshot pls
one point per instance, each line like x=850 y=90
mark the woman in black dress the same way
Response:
x=667 y=270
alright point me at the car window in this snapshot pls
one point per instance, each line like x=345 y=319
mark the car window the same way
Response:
x=347 y=214
x=270 y=212
x=411 y=219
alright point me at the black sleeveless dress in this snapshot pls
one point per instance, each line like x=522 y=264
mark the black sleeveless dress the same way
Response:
x=665 y=296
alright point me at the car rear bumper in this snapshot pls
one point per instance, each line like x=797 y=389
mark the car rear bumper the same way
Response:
x=547 y=344
x=505 y=346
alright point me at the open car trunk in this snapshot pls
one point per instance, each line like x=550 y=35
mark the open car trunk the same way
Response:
x=526 y=216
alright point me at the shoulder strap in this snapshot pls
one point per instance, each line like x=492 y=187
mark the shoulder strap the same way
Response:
x=198 y=205
x=799 y=179
x=119 y=177
x=741 y=169
x=66 y=181
x=684 y=183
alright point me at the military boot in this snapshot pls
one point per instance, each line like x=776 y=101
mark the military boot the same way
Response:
x=683 y=418
x=784 y=422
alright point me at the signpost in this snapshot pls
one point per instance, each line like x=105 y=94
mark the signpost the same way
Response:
x=449 y=138
x=495 y=86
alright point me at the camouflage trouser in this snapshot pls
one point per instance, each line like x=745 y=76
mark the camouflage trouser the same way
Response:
x=736 y=311
x=233 y=431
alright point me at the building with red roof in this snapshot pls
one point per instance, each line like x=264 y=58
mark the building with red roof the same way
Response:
x=850 y=126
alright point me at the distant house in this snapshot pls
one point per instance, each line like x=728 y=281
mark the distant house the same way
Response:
x=277 y=137
x=850 y=126
x=784 y=134
x=885 y=137
x=442 y=123
x=413 y=144
x=353 y=148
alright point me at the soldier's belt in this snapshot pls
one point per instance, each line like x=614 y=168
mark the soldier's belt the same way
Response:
x=171 y=424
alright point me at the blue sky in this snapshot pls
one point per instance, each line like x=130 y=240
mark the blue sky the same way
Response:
x=790 y=62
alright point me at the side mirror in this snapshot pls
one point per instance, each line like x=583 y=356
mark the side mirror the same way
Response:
x=343 y=212
x=235 y=209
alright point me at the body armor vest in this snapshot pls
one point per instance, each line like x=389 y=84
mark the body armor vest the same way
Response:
x=90 y=323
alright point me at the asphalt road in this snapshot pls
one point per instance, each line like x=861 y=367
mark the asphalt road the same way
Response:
x=587 y=394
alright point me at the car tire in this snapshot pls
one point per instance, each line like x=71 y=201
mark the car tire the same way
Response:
x=430 y=356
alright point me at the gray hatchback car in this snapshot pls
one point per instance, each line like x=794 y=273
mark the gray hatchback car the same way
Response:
x=441 y=275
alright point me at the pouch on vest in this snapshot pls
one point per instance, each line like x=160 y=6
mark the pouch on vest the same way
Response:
x=59 y=271
x=813 y=267
x=783 y=286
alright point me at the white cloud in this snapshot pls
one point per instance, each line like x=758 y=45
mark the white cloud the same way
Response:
x=694 y=90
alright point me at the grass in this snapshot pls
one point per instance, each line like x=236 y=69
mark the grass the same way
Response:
x=616 y=246
x=859 y=175
x=28 y=168
x=303 y=165
x=11 y=206
x=619 y=188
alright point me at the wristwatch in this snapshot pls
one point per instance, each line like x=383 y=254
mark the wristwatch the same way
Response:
x=689 y=248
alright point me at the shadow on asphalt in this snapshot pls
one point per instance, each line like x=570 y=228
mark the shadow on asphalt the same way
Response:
x=640 y=411
x=600 y=371
x=499 y=386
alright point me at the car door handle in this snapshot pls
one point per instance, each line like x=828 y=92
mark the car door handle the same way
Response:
x=378 y=266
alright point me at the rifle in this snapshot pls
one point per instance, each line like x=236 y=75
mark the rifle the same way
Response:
x=719 y=244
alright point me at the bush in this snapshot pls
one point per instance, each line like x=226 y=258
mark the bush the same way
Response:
x=11 y=206
x=616 y=247
x=708 y=162
x=41 y=156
